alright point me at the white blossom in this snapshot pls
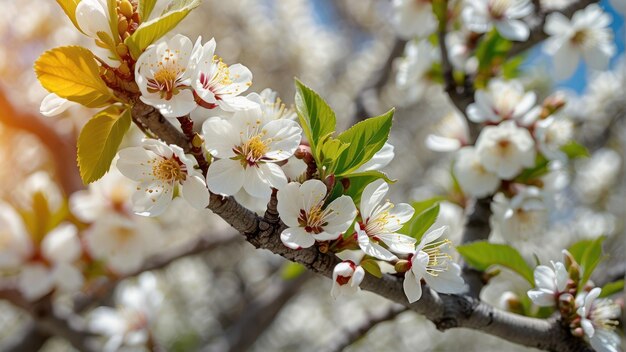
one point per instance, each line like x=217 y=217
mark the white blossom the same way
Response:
x=481 y=15
x=553 y=133
x=295 y=169
x=347 y=277
x=129 y=323
x=433 y=263
x=110 y=194
x=587 y=34
x=272 y=107
x=159 y=170
x=380 y=221
x=413 y=18
x=413 y=67
x=450 y=134
x=247 y=148
x=123 y=243
x=301 y=208
x=15 y=244
x=599 y=319
x=60 y=249
x=502 y=100
x=505 y=149
x=217 y=84
x=92 y=17
x=523 y=217
x=549 y=283
x=472 y=176
x=164 y=72
x=380 y=159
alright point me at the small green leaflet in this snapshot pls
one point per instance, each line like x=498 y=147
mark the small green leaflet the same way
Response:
x=482 y=254
x=574 y=150
x=425 y=215
x=364 y=139
x=292 y=271
x=372 y=267
x=612 y=288
x=145 y=8
x=316 y=118
x=588 y=253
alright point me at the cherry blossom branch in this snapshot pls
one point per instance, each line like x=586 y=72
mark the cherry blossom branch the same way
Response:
x=260 y=313
x=347 y=337
x=446 y=311
x=476 y=229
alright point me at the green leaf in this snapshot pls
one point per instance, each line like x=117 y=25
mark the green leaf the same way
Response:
x=316 y=117
x=72 y=72
x=99 y=140
x=69 y=7
x=574 y=150
x=292 y=271
x=151 y=31
x=482 y=254
x=113 y=20
x=176 y=5
x=365 y=139
x=419 y=208
x=372 y=267
x=612 y=288
x=330 y=150
x=358 y=181
x=423 y=221
x=540 y=169
x=145 y=8
x=587 y=254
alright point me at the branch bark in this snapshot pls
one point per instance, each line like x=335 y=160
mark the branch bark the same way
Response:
x=446 y=311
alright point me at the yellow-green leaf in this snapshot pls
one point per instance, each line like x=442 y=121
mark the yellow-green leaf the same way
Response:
x=151 y=31
x=99 y=140
x=482 y=254
x=145 y=8
x=69 y=7
x=372 y=267
x=72 y=72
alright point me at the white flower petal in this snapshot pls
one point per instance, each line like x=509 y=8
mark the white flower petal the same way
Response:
x=225 y=177
x=195 y=192
x=296 y=238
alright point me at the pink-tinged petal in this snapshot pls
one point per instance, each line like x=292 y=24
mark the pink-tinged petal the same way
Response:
x=373 y=194
x=542 y=297
x=195 y=192
x=290 y=204
x=412 y=287
x=225 y=177
x=296 y=238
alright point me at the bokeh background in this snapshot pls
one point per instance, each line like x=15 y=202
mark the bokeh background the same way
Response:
x=239 y=298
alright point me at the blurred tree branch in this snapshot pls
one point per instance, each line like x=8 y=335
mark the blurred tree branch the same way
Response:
x=62 y=148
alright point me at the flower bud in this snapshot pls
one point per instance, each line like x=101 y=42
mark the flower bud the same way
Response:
x=578 y=332
x=122 y=49
x=402 y=266
x=122 y=25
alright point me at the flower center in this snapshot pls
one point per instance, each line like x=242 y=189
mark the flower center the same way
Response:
x=252 y=151
x=167 y=79
x=169 y=170
x=220 y=76
x=314 y=220
x=497 y=8
x=581 y=38
x=377 y=224
x=123 y=234
x=437 y=259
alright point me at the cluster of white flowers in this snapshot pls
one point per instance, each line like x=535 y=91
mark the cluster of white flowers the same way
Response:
x=597 y=318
